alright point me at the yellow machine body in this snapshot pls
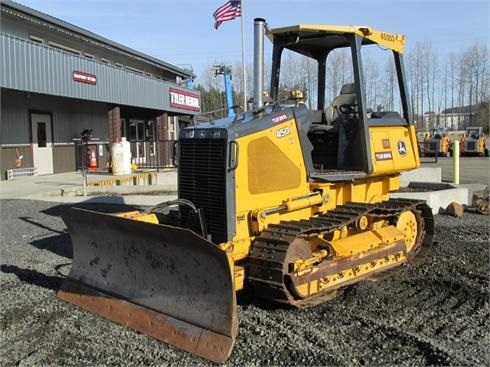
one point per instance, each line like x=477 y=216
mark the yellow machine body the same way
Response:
x=286 y=202
x=271 y=175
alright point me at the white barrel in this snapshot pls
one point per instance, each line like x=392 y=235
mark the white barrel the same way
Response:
x=121 y=158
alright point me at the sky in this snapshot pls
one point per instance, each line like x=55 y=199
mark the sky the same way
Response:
x=181 y=32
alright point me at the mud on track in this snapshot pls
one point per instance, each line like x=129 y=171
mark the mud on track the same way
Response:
x=434 y=314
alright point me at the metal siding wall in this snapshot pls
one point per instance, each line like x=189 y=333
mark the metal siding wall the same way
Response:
x=8 y=156
x=69 y=117
x=83 y=115
x=64 y=159
x=41 y=69
x=14 y=118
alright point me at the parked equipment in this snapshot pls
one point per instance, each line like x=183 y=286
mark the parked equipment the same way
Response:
x=474 y=142
x=437 y=142
x=286 y=202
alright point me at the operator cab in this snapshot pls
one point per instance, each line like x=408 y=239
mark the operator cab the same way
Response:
x=349 y=96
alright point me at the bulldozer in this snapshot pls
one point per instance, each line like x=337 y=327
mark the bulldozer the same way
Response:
x=286 y=202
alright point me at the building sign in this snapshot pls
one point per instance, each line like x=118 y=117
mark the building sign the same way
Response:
x=184 y=100
x=78 y=76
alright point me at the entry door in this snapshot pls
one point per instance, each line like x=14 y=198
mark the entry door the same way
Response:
x=137 y=135
x=42 y=143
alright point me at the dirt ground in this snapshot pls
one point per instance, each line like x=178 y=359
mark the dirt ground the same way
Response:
x=433 y=314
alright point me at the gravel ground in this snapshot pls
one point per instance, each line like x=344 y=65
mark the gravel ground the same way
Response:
x=435 y=314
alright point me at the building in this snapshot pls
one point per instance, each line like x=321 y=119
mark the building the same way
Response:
x=458 y=118
x=430 y=120
x=58 y=80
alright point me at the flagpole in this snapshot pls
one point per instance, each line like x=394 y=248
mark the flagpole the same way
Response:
x=244 y=73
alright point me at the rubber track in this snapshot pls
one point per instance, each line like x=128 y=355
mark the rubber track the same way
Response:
x=269 y=250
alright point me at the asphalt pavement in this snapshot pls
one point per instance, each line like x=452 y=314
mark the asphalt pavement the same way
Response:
x=472 y=170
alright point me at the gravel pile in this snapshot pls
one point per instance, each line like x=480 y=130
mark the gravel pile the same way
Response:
x=434 y=314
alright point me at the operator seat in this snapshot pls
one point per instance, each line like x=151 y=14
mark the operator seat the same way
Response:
x=330 y=140
x=347 y=96
x=345 y=126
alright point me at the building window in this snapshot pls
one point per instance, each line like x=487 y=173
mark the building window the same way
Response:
x=37 y=39
x=150 y=130
x=41 y=135
x=89 y=56
x=136 y=130
x=105 y=61
x=64 y=48
x=134 y=70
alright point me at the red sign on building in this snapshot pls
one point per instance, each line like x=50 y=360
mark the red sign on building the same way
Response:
x=184 y=99
x=81 y=77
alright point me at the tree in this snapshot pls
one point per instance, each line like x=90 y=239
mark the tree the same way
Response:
x=430 y=66
x=339 y=72
x=483 y=116
x=389 y=85
x=374 y=96
x=416 y=85
x=477 y=60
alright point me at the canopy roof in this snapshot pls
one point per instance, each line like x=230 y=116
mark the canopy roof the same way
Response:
x=314 y=40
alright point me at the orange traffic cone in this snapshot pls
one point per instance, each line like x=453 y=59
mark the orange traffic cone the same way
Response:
x=92 y=164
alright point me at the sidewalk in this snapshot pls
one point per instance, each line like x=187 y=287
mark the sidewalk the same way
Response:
x=68 y=187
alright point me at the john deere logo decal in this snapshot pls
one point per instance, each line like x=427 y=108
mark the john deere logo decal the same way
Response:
x=402 y=147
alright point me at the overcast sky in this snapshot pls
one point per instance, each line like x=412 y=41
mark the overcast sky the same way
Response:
x=182 y=32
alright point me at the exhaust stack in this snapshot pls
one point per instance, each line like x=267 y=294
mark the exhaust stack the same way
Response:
x=259 y=31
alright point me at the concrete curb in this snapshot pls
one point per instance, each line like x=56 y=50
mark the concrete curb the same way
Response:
x=429 y=174
x=437 y=195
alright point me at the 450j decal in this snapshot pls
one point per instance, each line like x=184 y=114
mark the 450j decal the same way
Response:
x=282 y=132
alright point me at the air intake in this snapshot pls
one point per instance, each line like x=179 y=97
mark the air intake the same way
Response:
x=202 y=180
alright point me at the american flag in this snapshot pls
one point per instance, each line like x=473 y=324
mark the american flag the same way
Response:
x=228 y=11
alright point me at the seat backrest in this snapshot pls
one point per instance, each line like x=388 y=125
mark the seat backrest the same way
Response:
x=316 y=116
x=347 y=96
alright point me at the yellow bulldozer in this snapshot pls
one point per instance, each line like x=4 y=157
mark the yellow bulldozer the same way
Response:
x=287 y=202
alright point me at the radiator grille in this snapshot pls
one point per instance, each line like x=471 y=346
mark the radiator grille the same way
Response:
x=202 y=180
x=470 y=146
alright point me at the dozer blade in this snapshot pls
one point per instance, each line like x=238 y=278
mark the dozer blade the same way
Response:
x=163 y=281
